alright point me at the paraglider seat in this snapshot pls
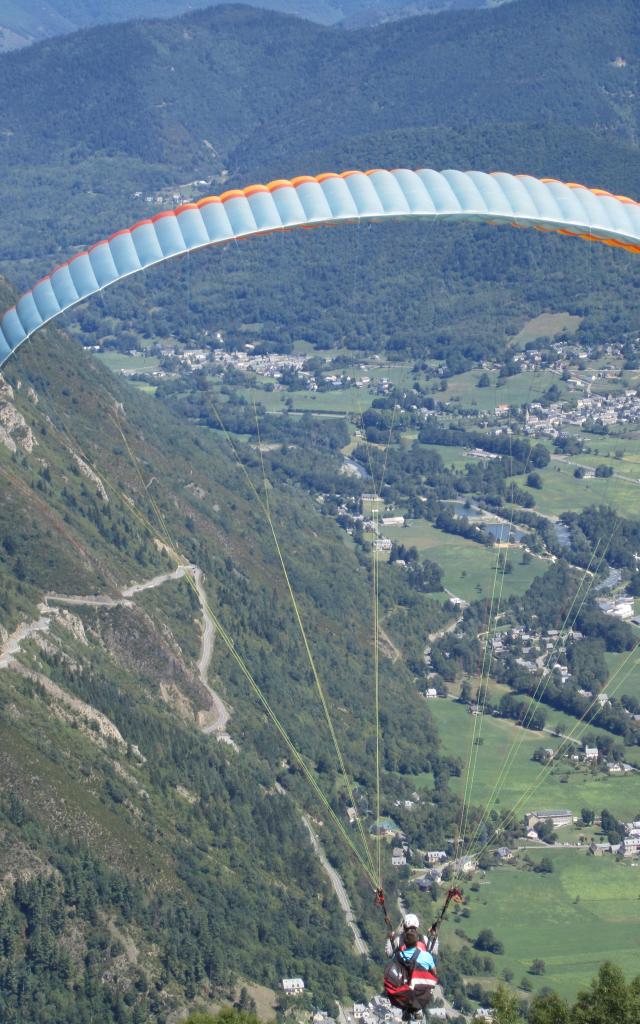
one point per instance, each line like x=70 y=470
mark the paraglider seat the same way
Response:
x=408 y=986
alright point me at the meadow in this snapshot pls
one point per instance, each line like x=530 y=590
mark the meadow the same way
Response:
x=546 y=325
x=468 y=568
x=562 y=492
x=582 y=913
x=117 y=361
x=624 y=674
x=523 y=387
x=503 y=770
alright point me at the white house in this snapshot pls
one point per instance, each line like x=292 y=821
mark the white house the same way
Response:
x=591 y=753
x=293 y=986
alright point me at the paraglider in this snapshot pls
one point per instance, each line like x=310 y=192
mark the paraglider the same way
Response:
x=451 y=195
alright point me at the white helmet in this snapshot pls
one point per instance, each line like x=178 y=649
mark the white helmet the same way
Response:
x=411 y=921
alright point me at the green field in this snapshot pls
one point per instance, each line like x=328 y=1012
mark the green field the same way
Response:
x=450 y=455
x=524 y=387
x=466 y=565
x=546 y=325
x=585 y=912
x=628 y=468
x=562 y=492
x=624 y=675
x=342 y=400
x=117 y=361
x=521 y=777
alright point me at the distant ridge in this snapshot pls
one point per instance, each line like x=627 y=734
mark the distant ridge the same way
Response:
x=28 y=21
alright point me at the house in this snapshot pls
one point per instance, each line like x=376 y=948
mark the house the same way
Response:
x=532 y=834
x=383 y=827
x=630 y=847
x=431 y=692
x=466 y=865
x=591 y=753
x=473 y=709
x=614 y=768
x=437 y=1013
x=293 y=986
x=557 y=818
x=599 y=849
x=398 y=857
x=359 y=1010
x=504 y=853
x=435 y=856
x=393 y=520
x=482 y=1013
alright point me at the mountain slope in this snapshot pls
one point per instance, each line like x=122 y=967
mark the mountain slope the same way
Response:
x=118 y=815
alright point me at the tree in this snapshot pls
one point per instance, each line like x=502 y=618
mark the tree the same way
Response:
x=505 y=1006
x=486 y=942
x=465 y=692
x=537 y=967
x=613 y=828
x=607 y=999
x=544 y=867
x=587 y=815
x=534 y=480
x=484 y=380
x=545 y=832
x=548 y=1008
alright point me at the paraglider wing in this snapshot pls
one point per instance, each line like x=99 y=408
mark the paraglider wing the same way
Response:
x=498 y=198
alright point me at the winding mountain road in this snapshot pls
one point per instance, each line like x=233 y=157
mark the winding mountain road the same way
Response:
x=215 y=719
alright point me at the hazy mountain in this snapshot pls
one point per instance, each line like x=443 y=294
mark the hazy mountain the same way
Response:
x=26 y=21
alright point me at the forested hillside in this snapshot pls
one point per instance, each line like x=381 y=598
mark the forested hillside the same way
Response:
x=132 y=844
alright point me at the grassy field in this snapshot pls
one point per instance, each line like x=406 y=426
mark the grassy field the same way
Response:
x=561 y=492
x=468 y=568
x=627 y=467
x=601 y=447
x=117 y=361
x=451 y=456
x=586 y=911
x=343 y=401
x=546 y=325
x=624 y=675
x=522 y=780
x=524 y=387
